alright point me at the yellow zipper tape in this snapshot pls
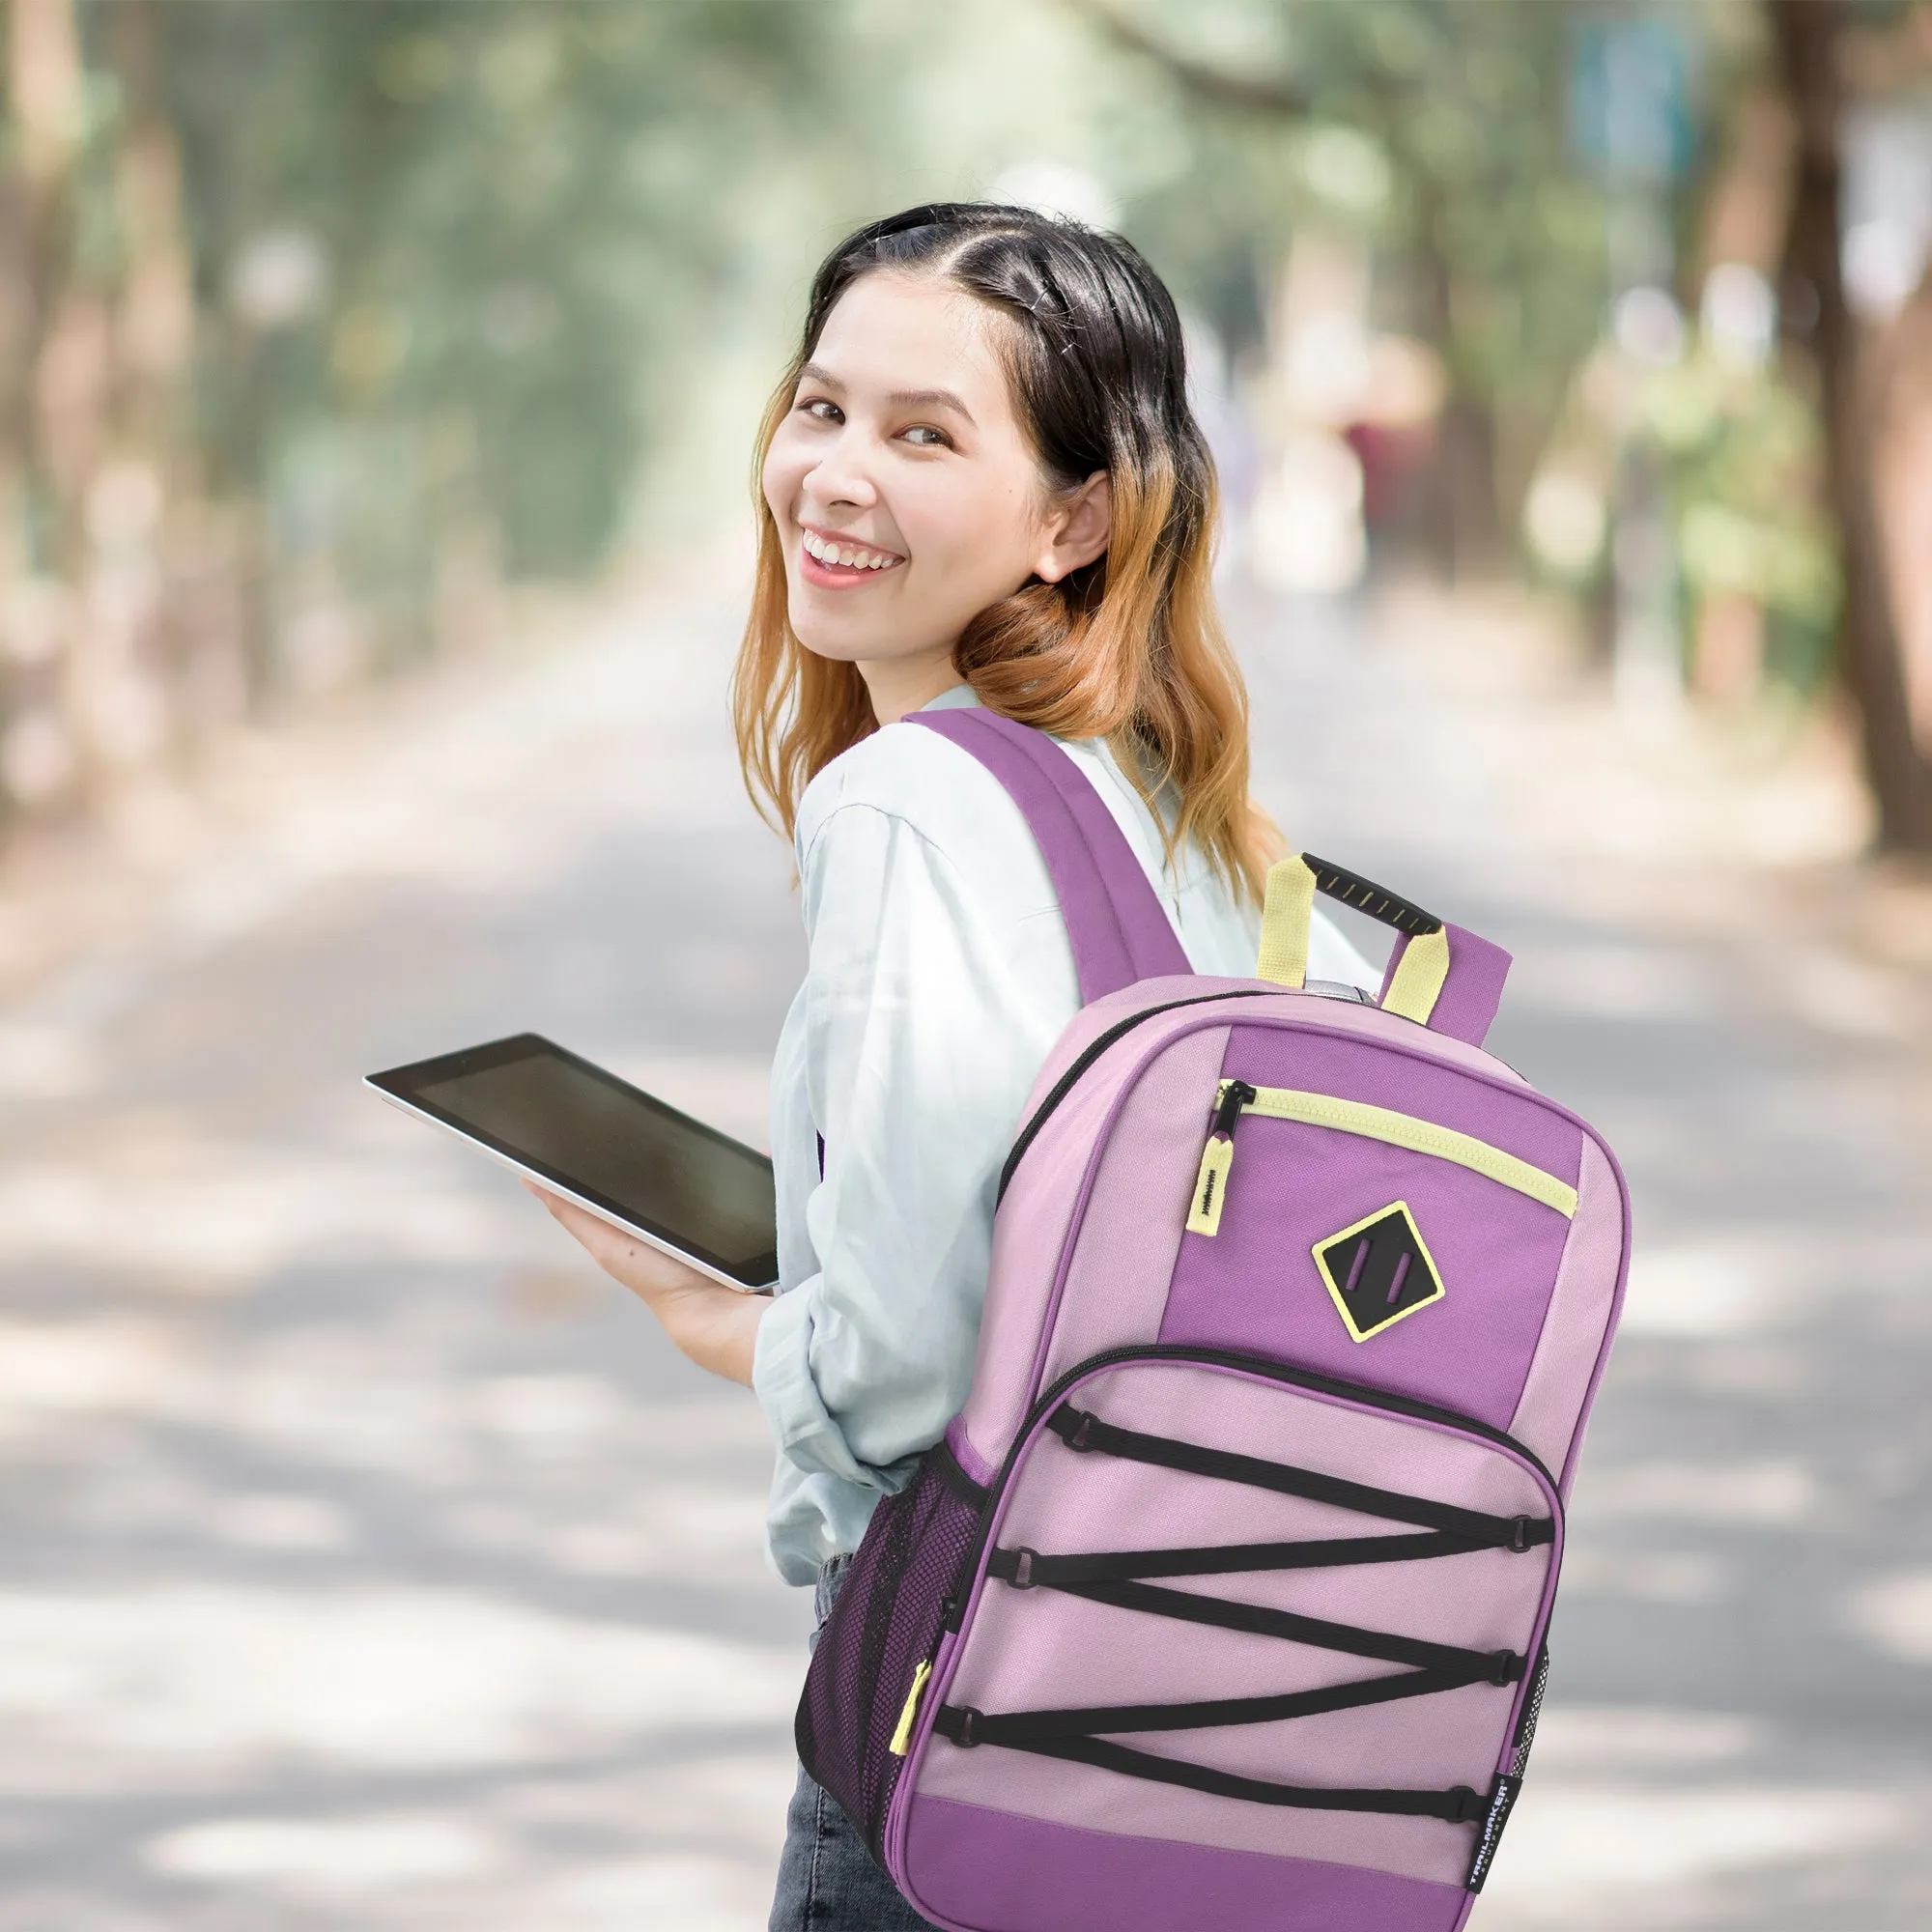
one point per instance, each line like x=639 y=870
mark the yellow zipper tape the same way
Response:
x=902 y=1737
x=1405 y=1130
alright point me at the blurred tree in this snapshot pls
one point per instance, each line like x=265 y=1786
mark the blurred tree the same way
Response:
x=1491 y=232
x=321 y=324
x=1808 y=36
x=318 y=322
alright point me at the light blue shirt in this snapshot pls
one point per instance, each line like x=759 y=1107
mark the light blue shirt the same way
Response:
x=938 y=978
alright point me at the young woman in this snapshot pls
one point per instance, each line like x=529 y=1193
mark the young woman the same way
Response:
x=979 y=484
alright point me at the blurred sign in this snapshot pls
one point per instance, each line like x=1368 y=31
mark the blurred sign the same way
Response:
x=1630 y=99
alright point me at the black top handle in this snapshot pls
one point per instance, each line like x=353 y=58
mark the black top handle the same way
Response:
x=1351 y=889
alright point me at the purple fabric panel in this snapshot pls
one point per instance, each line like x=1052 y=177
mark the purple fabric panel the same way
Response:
x=1348 y=1016
x=1101 y=955
x=1583 y=1311
x=1321 y=1043
x=1396 y=952
x=1466 y=1007
x=1151 y=942
x=971 y=1867
x=1408 y=1076
x=1255 y=1286
x=969 y=1459
x=1115 y=922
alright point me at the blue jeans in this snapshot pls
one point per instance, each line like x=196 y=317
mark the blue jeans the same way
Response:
x=828 y=1880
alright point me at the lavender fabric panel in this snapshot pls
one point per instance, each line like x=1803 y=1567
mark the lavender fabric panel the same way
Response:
x=1029 y=1234
x=1091 y=1022
x=1550 y=1413
x=1131 y=1227
x=1045 y=1649
x=972 y=1865
x=1135 y=1218
x=1024 y=1650
x=1114 y=923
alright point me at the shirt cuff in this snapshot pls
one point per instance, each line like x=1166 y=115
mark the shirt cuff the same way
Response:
x=782 y=1381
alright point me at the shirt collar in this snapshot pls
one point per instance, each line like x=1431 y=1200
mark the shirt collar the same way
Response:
x=959 y=698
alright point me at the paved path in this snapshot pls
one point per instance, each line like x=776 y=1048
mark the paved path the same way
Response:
x=368 y=1564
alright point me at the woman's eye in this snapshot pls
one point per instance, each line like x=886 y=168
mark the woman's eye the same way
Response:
x=923 y=436
x=829 y=412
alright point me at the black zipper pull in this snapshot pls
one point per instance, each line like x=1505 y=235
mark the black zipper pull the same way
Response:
x=1234 y=1097
x=1217 y=1160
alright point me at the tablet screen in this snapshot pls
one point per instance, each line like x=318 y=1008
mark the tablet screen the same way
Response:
x=571 y=1122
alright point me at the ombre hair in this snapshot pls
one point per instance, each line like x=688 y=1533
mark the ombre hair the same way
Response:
x=1127 y=648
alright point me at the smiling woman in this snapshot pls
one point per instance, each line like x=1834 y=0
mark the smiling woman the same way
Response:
x=979 y=487
x=909 y=494
x=996 y=402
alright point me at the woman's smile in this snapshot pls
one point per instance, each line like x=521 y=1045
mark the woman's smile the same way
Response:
x=836 y=562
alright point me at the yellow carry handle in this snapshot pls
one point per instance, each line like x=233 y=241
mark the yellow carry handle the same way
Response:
x=1422 y=968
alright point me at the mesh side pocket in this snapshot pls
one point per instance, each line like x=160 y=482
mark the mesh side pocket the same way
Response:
x=884 y=1626
x=1532 y=1708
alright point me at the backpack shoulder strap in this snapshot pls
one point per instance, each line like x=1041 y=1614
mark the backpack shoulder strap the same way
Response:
x=1119 y=929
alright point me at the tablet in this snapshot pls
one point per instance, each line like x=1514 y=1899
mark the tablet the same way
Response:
x=608 y=1145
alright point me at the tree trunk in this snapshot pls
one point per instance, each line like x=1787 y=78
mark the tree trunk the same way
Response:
x=1461 y=517
x=1807 y=33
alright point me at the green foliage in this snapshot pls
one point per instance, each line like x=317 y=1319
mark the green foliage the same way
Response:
x=522 y=205
x=526 y=246
x=1746 y=502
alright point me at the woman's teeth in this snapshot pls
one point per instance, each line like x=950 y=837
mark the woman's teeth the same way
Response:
x=853 y=557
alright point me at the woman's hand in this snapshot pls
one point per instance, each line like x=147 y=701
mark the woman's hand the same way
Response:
x=715 y=1325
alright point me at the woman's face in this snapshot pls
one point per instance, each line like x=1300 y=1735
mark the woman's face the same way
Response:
x=906 y=495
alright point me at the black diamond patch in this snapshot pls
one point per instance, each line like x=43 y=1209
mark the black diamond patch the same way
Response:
x=1378 y=1270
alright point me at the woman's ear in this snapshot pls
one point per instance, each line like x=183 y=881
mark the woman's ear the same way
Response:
x=1078 y=528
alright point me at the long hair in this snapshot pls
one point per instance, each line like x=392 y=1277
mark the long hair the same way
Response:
x=1127 y=648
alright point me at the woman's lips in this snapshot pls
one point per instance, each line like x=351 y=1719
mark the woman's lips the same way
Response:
x=866 y=566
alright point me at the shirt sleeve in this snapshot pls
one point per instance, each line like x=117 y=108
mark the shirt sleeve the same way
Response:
x=920 y=1049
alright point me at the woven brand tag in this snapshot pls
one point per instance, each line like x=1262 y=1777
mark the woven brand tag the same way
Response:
x=1502 y=1798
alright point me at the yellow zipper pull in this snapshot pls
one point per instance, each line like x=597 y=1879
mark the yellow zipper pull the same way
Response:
x=1217 y=1159
x=902 y=1737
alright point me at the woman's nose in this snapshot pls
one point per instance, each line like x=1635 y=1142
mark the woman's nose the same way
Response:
x=843 y=477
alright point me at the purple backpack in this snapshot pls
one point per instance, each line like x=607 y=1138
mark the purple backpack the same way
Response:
x=1223 y=1602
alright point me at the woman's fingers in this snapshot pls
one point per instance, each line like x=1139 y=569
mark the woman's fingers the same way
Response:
x=715 y=1325
x=643 y=1269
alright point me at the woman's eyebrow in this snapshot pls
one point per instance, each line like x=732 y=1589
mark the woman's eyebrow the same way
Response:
x=930 y=399
x=902 y=399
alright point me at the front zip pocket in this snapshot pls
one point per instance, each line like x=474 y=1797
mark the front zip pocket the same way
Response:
x=1234 y=1097
x=1243 y=1512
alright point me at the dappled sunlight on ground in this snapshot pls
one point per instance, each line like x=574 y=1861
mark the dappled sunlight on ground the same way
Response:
x=371 y=1563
